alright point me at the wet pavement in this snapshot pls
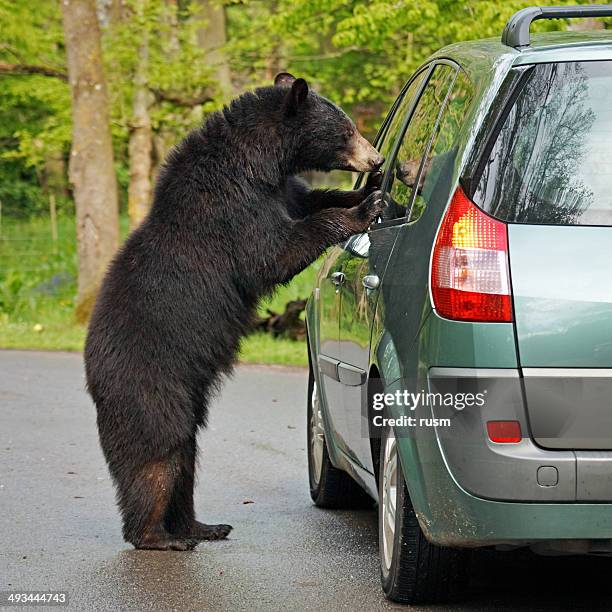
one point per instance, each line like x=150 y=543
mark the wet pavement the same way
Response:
x=60 y=529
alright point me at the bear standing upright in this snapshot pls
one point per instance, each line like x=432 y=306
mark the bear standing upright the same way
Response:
x=229 y=222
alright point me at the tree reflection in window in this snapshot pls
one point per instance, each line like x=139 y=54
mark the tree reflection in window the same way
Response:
x=415 y=142
x=439 y=159
x=551 y=160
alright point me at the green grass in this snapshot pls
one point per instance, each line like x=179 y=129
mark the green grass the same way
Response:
x=38 y=285
x=263 y=348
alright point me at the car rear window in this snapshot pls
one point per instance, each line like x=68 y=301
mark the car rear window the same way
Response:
x=552 y=159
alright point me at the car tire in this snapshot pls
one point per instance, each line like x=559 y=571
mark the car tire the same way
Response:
x=413 y=571
x=329 y=486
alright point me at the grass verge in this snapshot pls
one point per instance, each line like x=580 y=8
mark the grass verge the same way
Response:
x=38 y=284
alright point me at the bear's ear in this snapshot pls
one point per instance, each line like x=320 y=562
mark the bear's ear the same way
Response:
x=283 y=79
x=296 y=96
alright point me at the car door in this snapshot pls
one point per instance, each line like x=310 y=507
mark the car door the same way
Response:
x=369 y=254
x=404 y=296
x=327 y=295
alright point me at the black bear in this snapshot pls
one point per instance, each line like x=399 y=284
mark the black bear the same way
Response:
x=229 y=222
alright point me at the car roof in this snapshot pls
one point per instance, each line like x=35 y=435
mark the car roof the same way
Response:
x=487 y=54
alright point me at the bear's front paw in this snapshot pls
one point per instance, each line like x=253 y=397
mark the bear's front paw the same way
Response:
x=373 y=183
x=369 y=209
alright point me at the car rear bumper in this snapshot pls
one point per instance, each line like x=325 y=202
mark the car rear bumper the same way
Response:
x=451 y=516
x=525 y=471
x=505 y=472
x=469 y=492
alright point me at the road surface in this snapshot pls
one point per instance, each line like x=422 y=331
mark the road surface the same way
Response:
x=60 y=529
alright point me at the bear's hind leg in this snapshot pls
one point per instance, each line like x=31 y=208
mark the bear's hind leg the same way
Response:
x=180 y=517
x=180 y=514
x=144 y=500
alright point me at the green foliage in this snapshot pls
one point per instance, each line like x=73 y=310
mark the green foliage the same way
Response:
x=20 y=193
x=360 y=53
x=356 y=53
x=32 y=29
x=35 y=118
x=176 y=66
x=34 y=110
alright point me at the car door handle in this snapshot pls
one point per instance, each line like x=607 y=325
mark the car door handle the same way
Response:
x=337 y=278
x=371 y=281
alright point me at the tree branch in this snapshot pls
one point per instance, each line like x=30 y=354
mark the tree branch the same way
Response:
x=181 y=100
x=6 y=68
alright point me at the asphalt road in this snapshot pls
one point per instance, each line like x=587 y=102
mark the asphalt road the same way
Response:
x=59 y=528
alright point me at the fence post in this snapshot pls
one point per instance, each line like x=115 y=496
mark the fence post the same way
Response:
x=53 y=213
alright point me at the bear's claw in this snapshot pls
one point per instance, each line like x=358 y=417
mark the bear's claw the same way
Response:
x=201 y=531
x=372 y=206
x=373 y=183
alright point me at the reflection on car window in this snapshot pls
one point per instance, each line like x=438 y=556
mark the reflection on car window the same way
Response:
x=551 y=160
x=394 y=128
x=393 y=131
x=437 y=166
x=406 y=165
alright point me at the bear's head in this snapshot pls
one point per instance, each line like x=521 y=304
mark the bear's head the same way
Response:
x=325 y=138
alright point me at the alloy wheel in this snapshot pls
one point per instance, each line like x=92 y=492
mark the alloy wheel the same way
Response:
x=389 y=499
x=317 y=435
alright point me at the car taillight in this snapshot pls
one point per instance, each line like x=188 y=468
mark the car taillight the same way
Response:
x=470 y=280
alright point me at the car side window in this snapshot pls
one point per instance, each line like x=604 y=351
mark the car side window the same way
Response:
x=359 y=244
x=395 y=125
x=438 y=161
x=387 y=137
x=405 y=167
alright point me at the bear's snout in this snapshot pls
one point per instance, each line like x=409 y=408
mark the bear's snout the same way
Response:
x=363 y=157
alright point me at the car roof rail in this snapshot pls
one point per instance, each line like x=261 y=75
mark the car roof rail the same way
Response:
x=516 y=32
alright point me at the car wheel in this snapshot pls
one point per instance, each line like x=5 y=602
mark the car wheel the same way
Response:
x=413 y=571
x=329 y=486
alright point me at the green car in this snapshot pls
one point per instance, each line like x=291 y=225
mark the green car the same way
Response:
x=461 y=349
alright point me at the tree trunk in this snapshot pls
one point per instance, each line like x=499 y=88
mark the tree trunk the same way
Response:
x=212 y=36
x=163 y=141
x=171 y=42
x=140 y=145
x=163 y=138
x=116 y=11
x=91 y=160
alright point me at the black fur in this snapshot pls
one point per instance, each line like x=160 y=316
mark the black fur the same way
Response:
x=228 y=223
